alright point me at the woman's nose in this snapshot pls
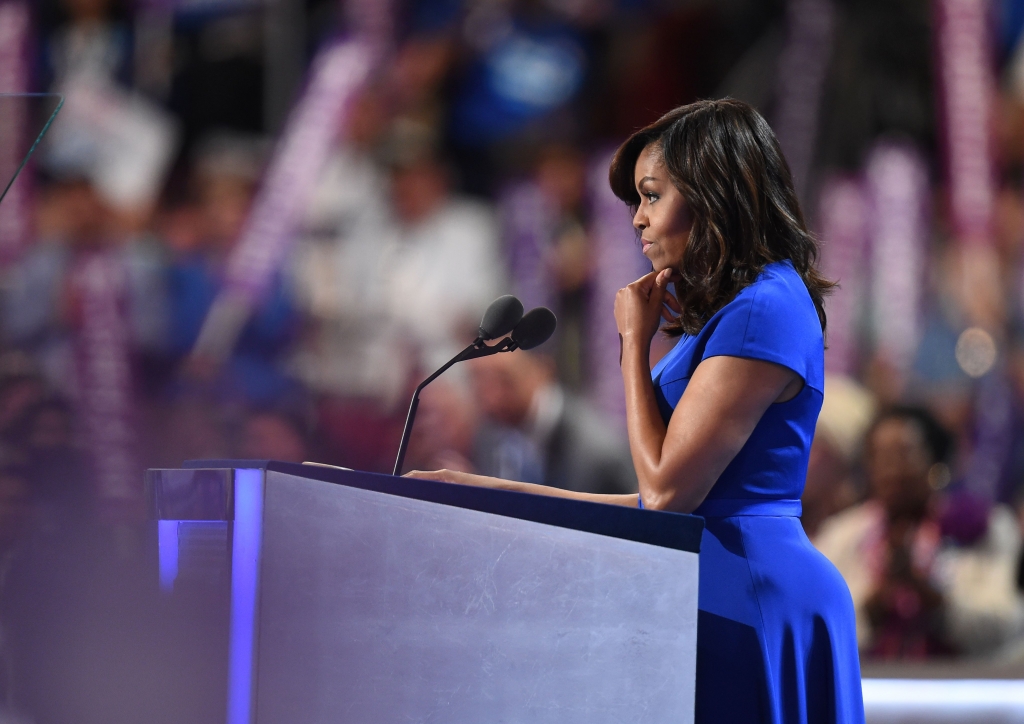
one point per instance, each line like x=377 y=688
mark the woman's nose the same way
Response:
x=640 y=221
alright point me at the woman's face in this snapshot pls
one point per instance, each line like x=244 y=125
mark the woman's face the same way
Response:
x=662 y=218
x=898 y=461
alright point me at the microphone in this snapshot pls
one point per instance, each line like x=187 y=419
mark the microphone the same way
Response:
x=500 y=318
x=534 y=329
x=504 y=315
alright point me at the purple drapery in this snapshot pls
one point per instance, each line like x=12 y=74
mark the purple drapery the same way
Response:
x=801 y=77
x=896 y=180
x=15 y=77
x=966 y=89
x=842 y=216
x=618 y=261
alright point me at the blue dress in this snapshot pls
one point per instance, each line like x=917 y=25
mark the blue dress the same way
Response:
x=776 y=639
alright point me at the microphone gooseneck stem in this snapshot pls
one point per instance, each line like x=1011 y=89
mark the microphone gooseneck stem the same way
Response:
x=473 y=351
x=405 y=432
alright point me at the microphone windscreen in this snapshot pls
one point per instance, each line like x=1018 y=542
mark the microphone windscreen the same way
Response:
x=501 y=317
x=535 y=328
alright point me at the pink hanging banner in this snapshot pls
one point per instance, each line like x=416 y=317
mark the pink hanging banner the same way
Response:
x=842 y=216
x=967 y=86
x=15 y=77
x=896 y=180
x=527 y=220
x=105 y=384
x=801 y=77
x=294 y=170
x=618 y=262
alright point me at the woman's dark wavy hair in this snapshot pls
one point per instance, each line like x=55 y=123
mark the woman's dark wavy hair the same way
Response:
x=725 y=160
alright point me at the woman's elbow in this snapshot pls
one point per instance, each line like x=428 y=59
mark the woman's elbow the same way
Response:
x=672 y=494
x=667 y=500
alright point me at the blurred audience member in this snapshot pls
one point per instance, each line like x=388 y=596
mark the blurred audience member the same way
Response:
x=886 y=547
x=396 y=284
x=450 y=434
x=190 y=427
x=439 y=263
x=917 y=594
x=831 y=485
x=93 y=41
x=273 y=435
x=346 y=345
x=37 y=443
x=561 y=177
x=200 y=237
x=34 y=318
x=416 y=75
x=523 y=68
x=578 y=451
x=38 y=310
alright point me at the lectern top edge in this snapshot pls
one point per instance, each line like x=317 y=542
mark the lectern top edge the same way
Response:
x=667 y=530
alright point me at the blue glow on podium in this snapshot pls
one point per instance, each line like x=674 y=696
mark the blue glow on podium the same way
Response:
x=245 y=570
x=167 y=551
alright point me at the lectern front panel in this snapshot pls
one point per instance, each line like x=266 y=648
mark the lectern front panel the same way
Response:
x=377 y=608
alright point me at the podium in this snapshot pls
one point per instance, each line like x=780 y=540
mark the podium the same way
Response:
x=357 y=597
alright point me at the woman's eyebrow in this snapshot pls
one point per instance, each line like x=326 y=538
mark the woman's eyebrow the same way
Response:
x=644 y=180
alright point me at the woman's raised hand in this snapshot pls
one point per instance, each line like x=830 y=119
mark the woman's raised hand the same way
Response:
x=640 y=307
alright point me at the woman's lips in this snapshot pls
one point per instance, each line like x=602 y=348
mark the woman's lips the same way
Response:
x=645 y=245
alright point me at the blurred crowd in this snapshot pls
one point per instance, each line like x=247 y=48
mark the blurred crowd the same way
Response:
x=472 y=165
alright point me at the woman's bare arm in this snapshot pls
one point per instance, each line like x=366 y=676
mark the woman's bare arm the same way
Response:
x=677 y=465
x=723 y=402
x=483 y=481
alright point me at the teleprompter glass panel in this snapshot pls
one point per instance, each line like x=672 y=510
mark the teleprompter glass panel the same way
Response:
x=24 y=120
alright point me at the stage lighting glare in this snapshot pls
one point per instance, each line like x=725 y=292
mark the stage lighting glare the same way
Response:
x=975 y=351
x=943 y=701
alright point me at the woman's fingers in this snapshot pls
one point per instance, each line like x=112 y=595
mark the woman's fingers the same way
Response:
x=426 y=475
x=640 y=306
x=646 y=283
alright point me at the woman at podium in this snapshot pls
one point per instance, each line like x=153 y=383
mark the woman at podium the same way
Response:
x=722 y=426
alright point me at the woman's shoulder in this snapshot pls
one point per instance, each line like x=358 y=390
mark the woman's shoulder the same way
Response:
x=778 y=294
x=777 y=283
x=774 y=319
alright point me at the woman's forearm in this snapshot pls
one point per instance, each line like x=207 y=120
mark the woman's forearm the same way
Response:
x=677 y=464
x=484 y=481
x=644 y=425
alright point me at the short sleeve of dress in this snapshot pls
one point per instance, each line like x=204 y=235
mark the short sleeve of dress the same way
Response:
x=773 y=320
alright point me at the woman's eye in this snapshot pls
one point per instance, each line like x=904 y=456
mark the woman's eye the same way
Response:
x=651 y=198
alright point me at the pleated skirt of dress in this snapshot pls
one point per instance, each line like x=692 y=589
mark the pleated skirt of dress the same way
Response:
x=776 y=639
